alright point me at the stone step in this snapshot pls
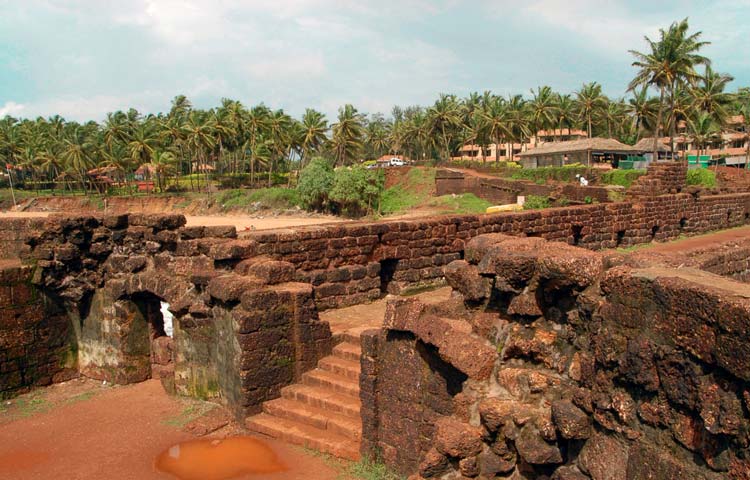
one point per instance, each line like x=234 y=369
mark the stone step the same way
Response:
x=346 y=336
x=322 y=398
x=350 y=427
x=347 y=351
x=339 y=366
x=332 y=381
x=304 y=435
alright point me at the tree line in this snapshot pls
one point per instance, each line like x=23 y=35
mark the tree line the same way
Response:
x=259 y=142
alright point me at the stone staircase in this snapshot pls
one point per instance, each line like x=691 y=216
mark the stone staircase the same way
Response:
x=322 y=411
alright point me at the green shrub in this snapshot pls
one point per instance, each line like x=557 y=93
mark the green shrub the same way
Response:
x=624 y=178
x=536 y=202
x=701 y=176
x=356 y=190
x=315 y=183
x=541 y=175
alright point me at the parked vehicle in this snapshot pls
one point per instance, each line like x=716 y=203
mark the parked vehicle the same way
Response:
x=397 y=162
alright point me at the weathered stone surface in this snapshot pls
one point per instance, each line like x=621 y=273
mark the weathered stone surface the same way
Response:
x=535 y=450
x=649 y=462
x=468 y=467
x=457 y=439
x=232 y=249
x=571 y=421
x=271 y=271
x=604 y=458
x=465 y=278
x=434 y=464
x=568 y=473
x=491 y=464
x=230 y=287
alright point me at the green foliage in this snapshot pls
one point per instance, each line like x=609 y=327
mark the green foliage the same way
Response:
x=356 y=190
x=701 y=176
x=412 y=191
x=465 y=204
x=268 y=198
x=541 y=175
x=315 y=183
x=536 y=202
x=369 y=469
x=624 y=178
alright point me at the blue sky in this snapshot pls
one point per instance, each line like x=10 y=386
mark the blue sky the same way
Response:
x=83 y=58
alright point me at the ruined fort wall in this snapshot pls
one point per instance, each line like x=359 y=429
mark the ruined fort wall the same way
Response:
x=332 y=257
x=574 y=368
x=36 y=339
x=13 y=234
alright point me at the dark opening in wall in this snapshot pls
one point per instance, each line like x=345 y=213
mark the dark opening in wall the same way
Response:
x=654 y=231
x=159 y=343
x=747 y=216
x=387 y=270
x=454 y=378
x=577 y=233
x=729 y=216
x=529 y=233
x=620 y=237
x=683 y=223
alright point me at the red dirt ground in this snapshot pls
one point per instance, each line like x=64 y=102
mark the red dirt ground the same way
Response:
x=701 y=241
x=116 y=433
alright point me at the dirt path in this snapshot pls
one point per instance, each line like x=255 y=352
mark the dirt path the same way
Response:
x=240 y=222
x=110 y=433
x=699 y=242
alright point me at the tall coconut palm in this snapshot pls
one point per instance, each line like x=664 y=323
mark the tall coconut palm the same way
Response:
x=348 y=135
x=494 y=119
x=670 y=60
x=315 y=128
x=642 y=110
x=709 y=96
x=589 y=104
x=565 y=112
x=542 y=111
x=703 y=129
x=444 y=118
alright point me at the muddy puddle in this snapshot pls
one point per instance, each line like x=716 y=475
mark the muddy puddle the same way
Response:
x=208 y=459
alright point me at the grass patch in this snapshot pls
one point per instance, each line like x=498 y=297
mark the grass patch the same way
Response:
x=31 y=405
x=702 y=177
x=364 y=469
x=624 y=178
x=264 y=198
x=463 y=204
x=536 y=202
x=195 y=409
x=81 y=397
x=413 y=190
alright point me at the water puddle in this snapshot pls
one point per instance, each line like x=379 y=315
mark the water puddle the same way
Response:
x=208 y=459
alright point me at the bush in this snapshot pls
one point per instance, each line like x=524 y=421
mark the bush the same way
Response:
x=541 y=175
x=315 y=183
x=269 y=198
x=623 y=178
x=701 y=176
x=356 y=189
x=536 y=202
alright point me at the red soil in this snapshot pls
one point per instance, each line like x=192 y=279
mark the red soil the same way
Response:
x=115 y=434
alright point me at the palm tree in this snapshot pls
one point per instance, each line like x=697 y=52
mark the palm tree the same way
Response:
x=671 y=60
x=143 y=142
x=494 y=119
x=200 y=139
x=709 y=96
x=444 y=117
x=642 y=109
x=348 y=134
x=76 y=154
x=542 y=111
x=565 y=112
x=704 y=130
x=163 y=164
x=589 y=104
x=315 y=129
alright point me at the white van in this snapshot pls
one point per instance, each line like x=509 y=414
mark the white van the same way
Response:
x=397 y=162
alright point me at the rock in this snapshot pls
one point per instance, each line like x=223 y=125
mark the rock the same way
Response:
x=649 y=463
x=680 y=380
x=604 y=458
x=568 y=473
x=571 y=421
x=721 y=411
x=495 y=412
x=491 y=463
x=456 y=439
x=229 y=288
x=535 y=450
x=434 y=464
x=466 y=279
x=271 y=272
x=232 y=249
x=526 y=305
x=469 y=467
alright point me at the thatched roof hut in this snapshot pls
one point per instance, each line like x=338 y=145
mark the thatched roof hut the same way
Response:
x=647 y=145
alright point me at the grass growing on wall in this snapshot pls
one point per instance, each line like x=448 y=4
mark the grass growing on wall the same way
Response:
x=414 y=190
x=462 y=204
x=702 y=177
x=624 y=178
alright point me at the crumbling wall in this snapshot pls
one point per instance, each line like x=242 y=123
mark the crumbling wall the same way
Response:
x=576 y=366
x=661 y=178
x=36 y=338
x=13 y=235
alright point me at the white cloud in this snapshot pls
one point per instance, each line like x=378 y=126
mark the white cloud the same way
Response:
x=288 y=66
x=12 y=108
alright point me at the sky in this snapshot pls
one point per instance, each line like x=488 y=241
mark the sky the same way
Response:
x=84 y=58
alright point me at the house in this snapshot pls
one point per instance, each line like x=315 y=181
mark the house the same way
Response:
x=591 y=152
x=511 y=151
